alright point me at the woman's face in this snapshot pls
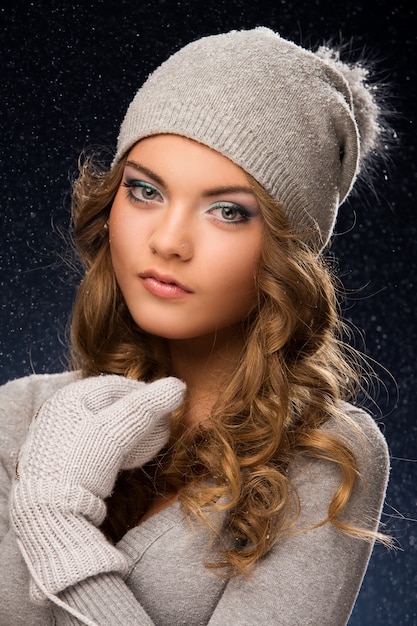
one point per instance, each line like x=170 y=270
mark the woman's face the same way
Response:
x=185 y=238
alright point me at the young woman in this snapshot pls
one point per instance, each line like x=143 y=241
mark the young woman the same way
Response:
x=201 y=464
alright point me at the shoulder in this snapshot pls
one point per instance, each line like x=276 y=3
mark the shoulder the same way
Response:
x=19 y=401
x=317 y=479
x=360 y=431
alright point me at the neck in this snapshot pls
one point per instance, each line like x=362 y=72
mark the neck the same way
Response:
x=206 y=365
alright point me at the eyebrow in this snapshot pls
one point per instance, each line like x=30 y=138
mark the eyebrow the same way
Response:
x=206 y=194
x=144 y=170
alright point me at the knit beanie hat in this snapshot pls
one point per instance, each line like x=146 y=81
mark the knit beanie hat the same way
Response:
x=301 y=123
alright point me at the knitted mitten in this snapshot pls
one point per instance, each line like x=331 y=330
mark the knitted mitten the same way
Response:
x=81 y=438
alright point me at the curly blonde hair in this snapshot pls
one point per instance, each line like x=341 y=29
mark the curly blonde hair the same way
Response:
x=292 y=373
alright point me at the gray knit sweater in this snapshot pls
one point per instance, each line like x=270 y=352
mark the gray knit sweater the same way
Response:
x=312 y=578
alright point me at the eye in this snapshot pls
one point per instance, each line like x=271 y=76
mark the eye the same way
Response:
x=141 y=191
x=230 y=212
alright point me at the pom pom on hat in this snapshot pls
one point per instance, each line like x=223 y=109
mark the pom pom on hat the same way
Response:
x=301 y=123
x=365 y=108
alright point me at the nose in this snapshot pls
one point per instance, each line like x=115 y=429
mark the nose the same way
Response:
x=172 y=236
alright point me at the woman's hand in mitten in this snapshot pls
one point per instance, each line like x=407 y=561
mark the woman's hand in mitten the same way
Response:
x=89 y=430
x=81 y=438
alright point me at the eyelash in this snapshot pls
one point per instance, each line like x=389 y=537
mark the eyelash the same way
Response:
x=139 y=184
x=134 y=184
x=244 y=213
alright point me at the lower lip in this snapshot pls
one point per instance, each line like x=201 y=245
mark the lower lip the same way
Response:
x=163 y=290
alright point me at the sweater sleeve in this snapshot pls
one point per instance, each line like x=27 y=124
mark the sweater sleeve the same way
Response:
x=314 y=577
x=104 y=600
x=19 y=401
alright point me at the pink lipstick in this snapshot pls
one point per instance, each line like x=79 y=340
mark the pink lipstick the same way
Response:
x=163 y=285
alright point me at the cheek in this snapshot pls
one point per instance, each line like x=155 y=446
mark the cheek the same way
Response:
x=121 y=245
x=126 y=235
x=237 y=273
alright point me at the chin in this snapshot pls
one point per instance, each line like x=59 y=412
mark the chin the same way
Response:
x=167 y=332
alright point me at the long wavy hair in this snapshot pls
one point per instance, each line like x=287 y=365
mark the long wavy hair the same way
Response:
x=293 y=371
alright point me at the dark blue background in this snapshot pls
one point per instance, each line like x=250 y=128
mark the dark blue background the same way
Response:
x=68 y=72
